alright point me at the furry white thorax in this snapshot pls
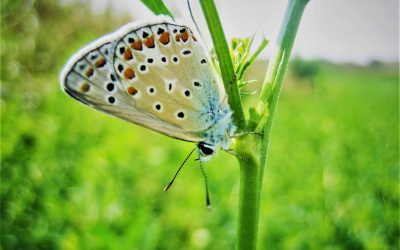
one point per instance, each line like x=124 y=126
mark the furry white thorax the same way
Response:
x=219 y=135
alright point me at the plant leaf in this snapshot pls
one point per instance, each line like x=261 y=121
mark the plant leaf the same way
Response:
x=157 y=7
x=246 y=64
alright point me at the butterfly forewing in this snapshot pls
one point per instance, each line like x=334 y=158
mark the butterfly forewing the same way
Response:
x=156 y=74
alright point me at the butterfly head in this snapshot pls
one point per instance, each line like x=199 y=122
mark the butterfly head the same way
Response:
x=218 y=136
x=206 y=151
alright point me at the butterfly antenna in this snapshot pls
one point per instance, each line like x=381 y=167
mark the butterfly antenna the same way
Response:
x=177 y=172
x=194 y=20
x=208 y=202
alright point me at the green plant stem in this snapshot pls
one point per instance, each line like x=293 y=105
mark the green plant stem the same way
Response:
x=254 y=148
x=276 y=71
x=225 y=61
x=278 y=63
x=251 y=149
x=250 y=191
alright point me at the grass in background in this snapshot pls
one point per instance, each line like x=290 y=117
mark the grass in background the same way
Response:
x=338 y=144
x=73 y=178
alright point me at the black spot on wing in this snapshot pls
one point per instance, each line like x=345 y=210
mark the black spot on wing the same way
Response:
x=160 y=31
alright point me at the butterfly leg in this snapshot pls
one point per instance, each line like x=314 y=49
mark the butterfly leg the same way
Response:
x=247 y=133
x=232 y=152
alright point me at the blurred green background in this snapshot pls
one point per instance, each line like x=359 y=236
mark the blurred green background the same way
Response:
x=73 y=178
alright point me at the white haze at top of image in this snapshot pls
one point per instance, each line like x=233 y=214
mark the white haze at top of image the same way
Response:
x=357 y=31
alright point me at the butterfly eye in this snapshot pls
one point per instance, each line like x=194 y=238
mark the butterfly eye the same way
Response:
x=206 y=149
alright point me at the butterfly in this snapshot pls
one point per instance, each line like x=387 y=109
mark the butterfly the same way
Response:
x=156 y=74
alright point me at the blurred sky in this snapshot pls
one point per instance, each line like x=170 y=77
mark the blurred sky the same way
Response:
x=338 y=30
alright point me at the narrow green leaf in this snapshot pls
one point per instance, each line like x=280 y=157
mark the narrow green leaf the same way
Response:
x=225 y=61
x=157 y=7
x=242 y=51
x=245 y=65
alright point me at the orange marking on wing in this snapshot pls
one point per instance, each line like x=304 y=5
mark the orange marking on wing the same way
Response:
x=128 y=54
x=100 y=63
x=85 y=87
x=177 y=37
x=185 y=36
x=137 y=45
x=129 y=73
x=164 y=38
x=149 y=42
x=89 y=72
x=194 y=38
x=132 y=91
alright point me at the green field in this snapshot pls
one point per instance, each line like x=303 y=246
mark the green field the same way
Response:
x=73 y=178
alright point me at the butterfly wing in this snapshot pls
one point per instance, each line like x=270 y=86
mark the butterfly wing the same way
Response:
x=153 y=74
